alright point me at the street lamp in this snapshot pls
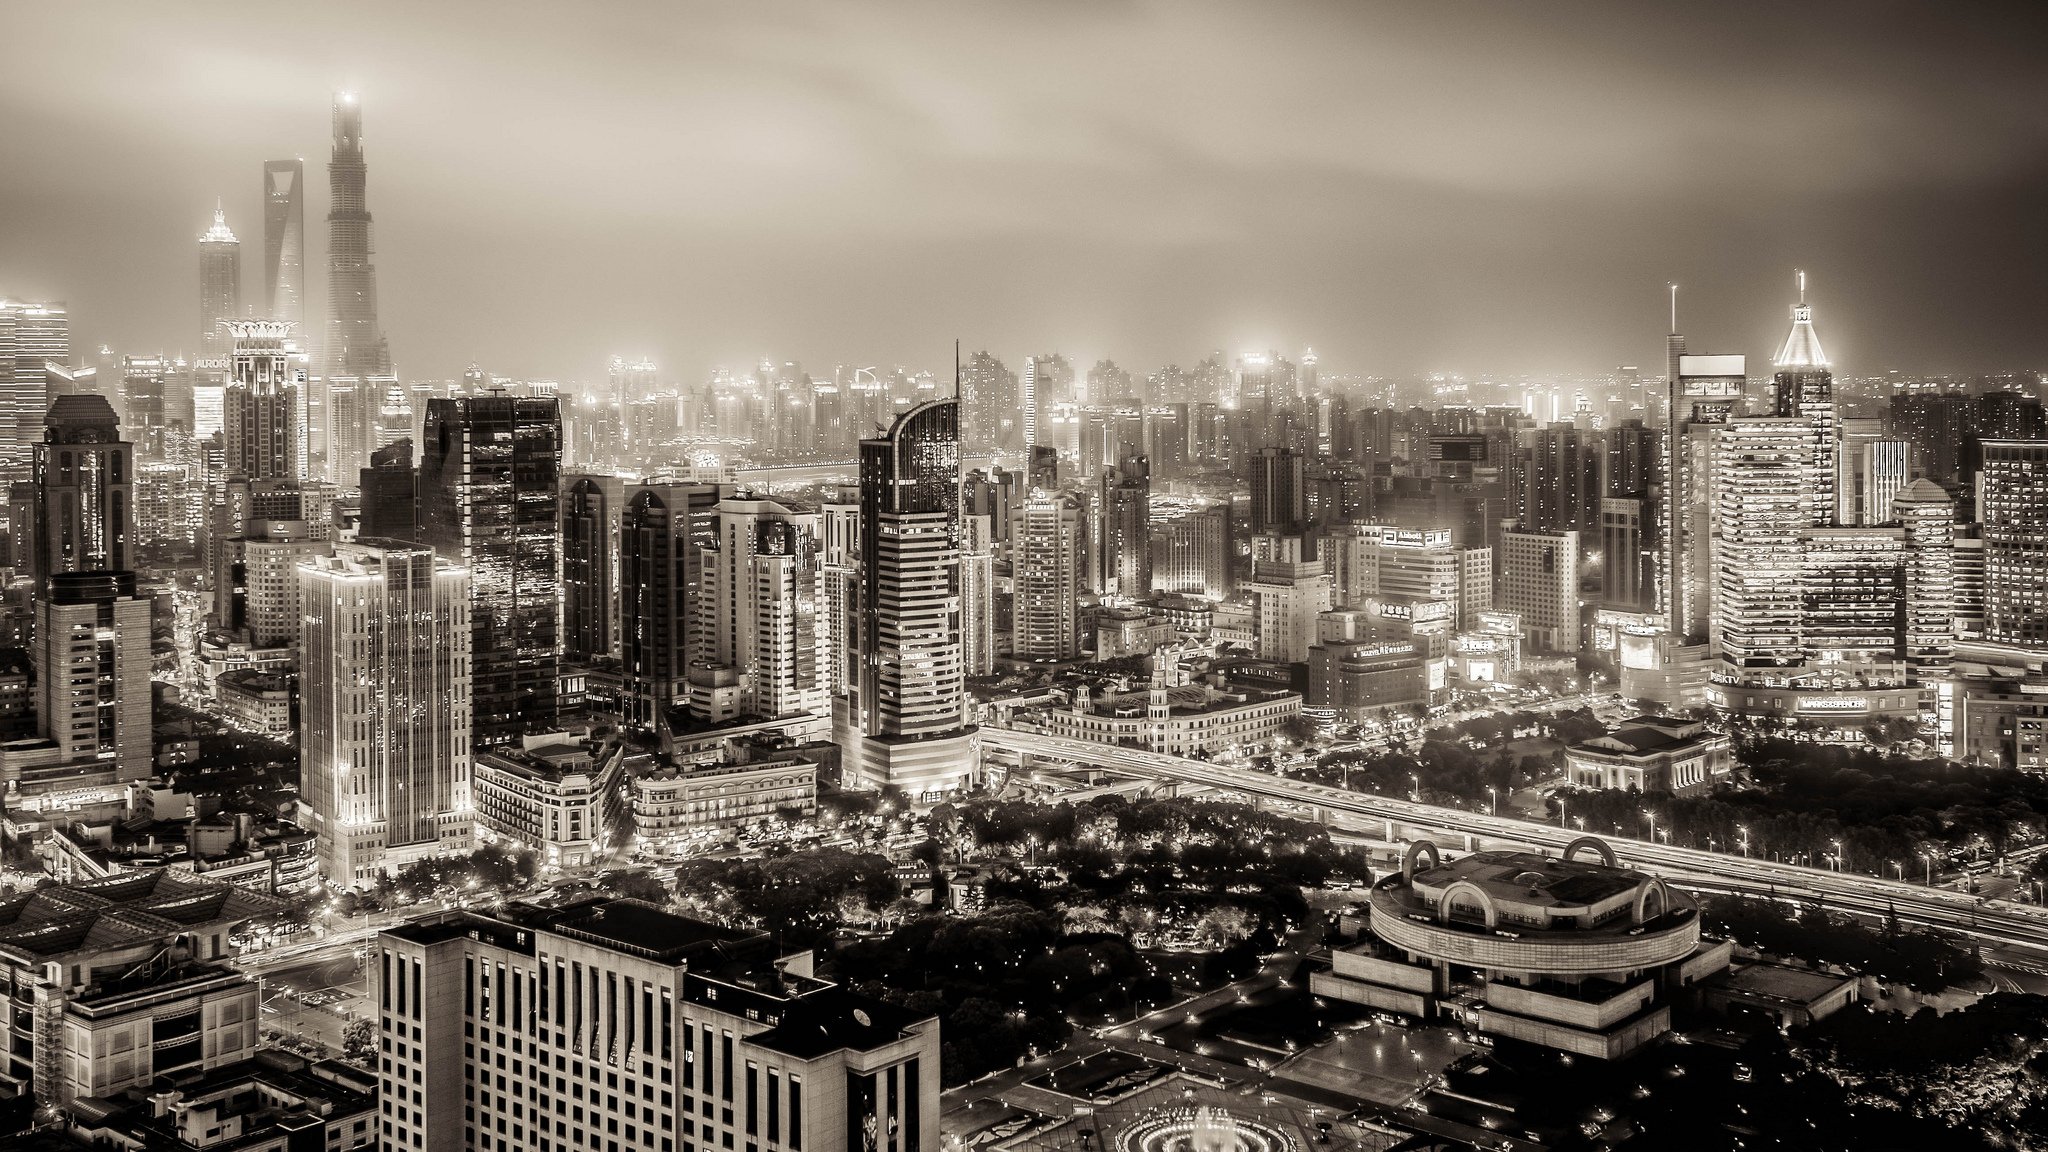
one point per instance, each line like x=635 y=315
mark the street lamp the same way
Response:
x=1495 y=793
x=1838 y=854
x=1744 y=829
x=1652 y=818
x=1580 y=821
x=1927 y=858
x=1418 y=786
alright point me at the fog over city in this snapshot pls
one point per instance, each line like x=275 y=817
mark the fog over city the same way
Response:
x=1407 y=188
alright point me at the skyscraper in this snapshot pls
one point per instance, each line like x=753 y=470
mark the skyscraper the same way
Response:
x=1927 y=513
x=1705 y=391
x=591 y=506
x=1048 y=536
x=390 y=494
x=355 y=343
x=384 y=728
x=260 y=407
x=84 y=492
x=757 y=577
x=1539 y=581
x=220 y=284
x=663 y=532
x=489 y=477
x=1806 y=390
x=1278 y=503
x=32 y=336
x=1762 y=467
x=1126 y=540
x=92 y=662
x=902 y=725
x=2013 y=509
x=284 y=243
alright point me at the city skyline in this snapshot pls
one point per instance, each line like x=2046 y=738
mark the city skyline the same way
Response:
x=813 y=188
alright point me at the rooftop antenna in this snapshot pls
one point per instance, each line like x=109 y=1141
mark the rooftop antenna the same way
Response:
x=1802 y=284
x=1674 y=308
x=956 y=367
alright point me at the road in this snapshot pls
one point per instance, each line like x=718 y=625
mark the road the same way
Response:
x=2016 y=926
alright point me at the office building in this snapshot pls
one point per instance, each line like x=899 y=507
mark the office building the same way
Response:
x=663 y=533
x=273 y=1102
x=1563 y=481
x=2013 y=506
x=124 y=982
x=903 y=725
x=260 y=406
x=708 y=1039
x=257 y=593
x=1805 y=390
x=1705 y=392
x=562 y=795
x=1277 y=491
x=489 y=482
x=977 y=597
x=1126 y=538
x=384 y=729
x=838 y=584
x=1925 y=513
x=1048 y=541
x=1191 y=553
x=1540 y=582
x=1291 y=594
x=591 y=512
x=83 y=493
x=1762 y=501
x=32 y=337
x=390 y=499
x=355 y=343
x=284 y=242
x=220 y=285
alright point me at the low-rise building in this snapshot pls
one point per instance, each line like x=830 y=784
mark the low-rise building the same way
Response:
x=1131 y=632
x=265 y=855
x=256 y=700
x=562 y=794
x=274 y=1102
x=1653 y=754
x=112 y=983
x=1577 y=956
x=1364 y=679
x=674 y=804
x=1171 y=715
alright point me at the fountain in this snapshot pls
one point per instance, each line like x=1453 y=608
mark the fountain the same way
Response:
x=1204 y=1128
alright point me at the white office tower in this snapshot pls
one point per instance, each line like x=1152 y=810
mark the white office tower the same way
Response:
x=1048 y=541
x=1291 y=595
x=759 y=623
x=1763 y=498
x=838 y=584
x=977 y=596
x=1927 y=514
x=260 y=406
x=1540 y=583
x=384 y=730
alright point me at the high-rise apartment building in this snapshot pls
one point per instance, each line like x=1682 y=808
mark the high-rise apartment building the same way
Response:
x=284 y=243
x=1191 y=554
x=1278 y=497
x=2013 y=507
x=1706 y=391
x=1291 y=594
x=84 y=483
x=92 y=663
x=1048 y=541
x=759 y=615
x=977 y=596
x=384 y=707
x=261 y=405
x=1562 y=492
x=590 y=516
x=903 y=724
x=220 y=284
x=489 y=482
x=699 y=1036
x=838 y=583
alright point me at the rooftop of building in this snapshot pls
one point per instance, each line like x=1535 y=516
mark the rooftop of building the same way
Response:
x=289 y=1091
x=1642 y=735
x=632 y=926
x=120 y=911
x=1532 y=879
x=1780 y=983
x=833 y=1019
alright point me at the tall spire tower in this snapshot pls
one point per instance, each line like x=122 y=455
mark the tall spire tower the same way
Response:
x=1806 y=389
x=220 y=284
x=355 y=344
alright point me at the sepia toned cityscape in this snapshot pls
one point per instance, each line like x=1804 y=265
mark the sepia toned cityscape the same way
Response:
x=1144 y=577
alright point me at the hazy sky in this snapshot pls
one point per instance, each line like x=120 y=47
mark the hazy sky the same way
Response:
x=1408 y=187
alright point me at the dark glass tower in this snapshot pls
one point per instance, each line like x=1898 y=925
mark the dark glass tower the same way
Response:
x=488 y=480
x=355 y=344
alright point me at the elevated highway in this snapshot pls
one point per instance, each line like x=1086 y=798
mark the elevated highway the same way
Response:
x=2021 y=927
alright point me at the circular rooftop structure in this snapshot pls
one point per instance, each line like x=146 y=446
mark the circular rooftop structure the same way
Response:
x=1527 y=912
x=1205 y=1128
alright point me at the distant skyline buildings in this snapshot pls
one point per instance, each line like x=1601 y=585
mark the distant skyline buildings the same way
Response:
x=355 y=342
x=284 y=244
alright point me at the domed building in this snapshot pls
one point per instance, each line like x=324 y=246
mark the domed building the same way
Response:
x=1577 y=955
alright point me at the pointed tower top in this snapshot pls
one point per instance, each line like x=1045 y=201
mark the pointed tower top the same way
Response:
x=219 y=233
x=1674 y=308
x=1802 y=347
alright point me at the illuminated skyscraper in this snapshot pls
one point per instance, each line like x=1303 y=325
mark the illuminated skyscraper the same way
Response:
x=260 y=406
x=489 y=475
x=664 y=530
x=1927 y=513
x=1761 y=504
x=1126 y=538
x=92 y=663
x=1806 y=390
x=220 y=285
x=32 y=336
x=355 y=343
x=1048 y=538
x=284 y=242
x=591 y=506
x=902 y=724
x=757 y=576
x=1705 y=392
x=2014 y=508
x=84 y=493
x=384 y=730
